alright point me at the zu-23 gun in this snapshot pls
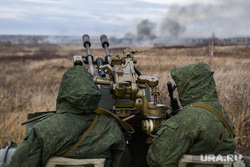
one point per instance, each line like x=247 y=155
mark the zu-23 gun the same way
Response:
x=127 y=85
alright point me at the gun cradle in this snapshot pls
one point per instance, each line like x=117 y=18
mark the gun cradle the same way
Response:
x=126 y=85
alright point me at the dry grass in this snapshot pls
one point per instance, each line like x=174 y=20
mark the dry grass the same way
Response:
x=28 y=86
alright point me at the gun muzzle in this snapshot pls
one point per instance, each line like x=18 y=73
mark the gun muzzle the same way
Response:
x=87 y=44
x=104 y=40
x=105 y=45
x=86 y=40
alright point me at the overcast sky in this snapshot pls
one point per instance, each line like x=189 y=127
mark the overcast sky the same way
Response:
x=181 y=18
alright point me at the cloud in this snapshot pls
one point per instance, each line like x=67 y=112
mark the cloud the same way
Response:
x=168 y=2
x=41 y=1
x=180 y=18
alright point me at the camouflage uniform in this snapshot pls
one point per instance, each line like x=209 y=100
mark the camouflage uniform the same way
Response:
x=77 y=98
x=193 y=130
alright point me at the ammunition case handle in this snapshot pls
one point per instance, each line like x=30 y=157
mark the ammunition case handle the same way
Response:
x=173 y=101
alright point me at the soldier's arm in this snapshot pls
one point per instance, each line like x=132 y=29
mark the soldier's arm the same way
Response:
x=28 y=153
x=171 y=143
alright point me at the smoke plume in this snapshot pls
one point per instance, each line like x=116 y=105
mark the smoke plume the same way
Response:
x=225 y=18
x=172 y=28
x=145 y=29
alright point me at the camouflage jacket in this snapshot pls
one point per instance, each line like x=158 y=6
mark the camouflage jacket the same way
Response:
x=193 y=130
x=77 y=98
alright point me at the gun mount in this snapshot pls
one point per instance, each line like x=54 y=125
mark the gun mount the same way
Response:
x=126 y=85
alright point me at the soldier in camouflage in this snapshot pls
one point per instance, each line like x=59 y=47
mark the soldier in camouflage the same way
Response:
x=77 y=98
x=194 y=130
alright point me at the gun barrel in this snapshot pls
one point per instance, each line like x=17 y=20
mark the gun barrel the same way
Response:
x=99 y=62
x=105 y=45
x=87 y=44
x=91 y=67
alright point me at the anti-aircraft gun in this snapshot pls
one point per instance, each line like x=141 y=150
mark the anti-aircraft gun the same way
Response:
x=125 y=93
x=126 y=85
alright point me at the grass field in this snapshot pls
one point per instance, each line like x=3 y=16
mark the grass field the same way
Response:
x=30 y=78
